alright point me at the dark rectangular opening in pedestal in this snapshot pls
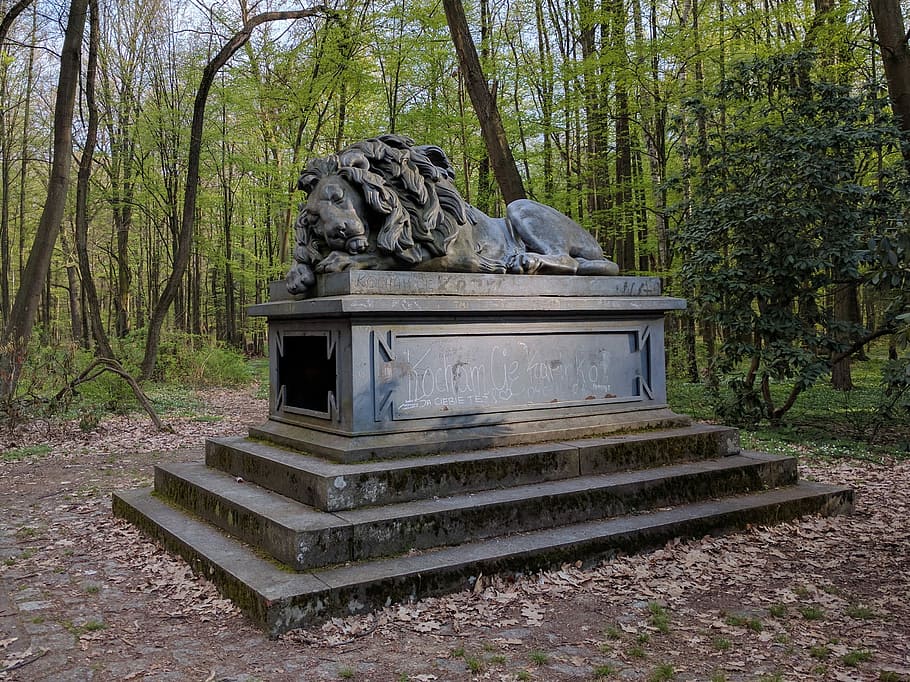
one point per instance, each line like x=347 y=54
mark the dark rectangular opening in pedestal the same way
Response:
x=307 y=372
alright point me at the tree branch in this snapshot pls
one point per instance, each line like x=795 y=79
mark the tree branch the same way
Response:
x=10 y=17
x=185 y=236
x=101 y=365
x=857 y=345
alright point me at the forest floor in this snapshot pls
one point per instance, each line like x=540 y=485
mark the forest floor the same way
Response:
x=83 y=596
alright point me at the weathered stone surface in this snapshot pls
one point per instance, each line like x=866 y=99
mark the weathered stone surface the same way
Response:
x=345 y=448
x=302 y=537
x=391 y=283
x=364 y=375
x=332 y=486
x=279 y=600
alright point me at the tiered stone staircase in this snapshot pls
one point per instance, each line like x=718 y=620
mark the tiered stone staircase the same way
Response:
x=293 y=538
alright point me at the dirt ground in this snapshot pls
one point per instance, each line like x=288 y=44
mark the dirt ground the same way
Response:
x=83 y=596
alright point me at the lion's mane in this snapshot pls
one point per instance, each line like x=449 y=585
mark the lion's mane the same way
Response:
x=408 y=187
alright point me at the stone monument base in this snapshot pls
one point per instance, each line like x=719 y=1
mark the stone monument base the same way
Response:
x=386 y=364
x=418 y=439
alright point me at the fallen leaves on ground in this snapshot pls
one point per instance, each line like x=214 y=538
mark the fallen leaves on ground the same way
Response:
x=820 y=598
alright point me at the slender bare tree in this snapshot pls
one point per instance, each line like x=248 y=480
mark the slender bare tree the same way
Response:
x=185 y=236
x=21 y=321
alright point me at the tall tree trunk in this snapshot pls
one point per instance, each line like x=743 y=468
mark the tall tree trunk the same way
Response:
x=21 y=322
x=623 y=193
x=102 y=345
x=6 y=163
x=846 y=308
x=227 y=216
x=892 y=39
x=23 y=149
x=624 y=220
x=494 y=133
x=80 y=338
x=185 y=238
x=596 y=172
x=545 y=91
x=122 y=190
x=6 y=185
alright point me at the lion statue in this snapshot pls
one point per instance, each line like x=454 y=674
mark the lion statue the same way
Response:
x=388 y=204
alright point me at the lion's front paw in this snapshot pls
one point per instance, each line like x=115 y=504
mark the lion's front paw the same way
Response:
x=337 y=261
x=300 y=278
x=530 y=263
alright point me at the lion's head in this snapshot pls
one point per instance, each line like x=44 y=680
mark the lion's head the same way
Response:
x=384 y=194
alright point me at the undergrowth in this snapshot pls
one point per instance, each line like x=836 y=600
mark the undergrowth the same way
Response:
x=859 y=424
x=186 y=363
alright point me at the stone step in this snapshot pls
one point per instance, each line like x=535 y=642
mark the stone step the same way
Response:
x=486 y=431
x=332 y=486
x=279 y=600
x=303 y=538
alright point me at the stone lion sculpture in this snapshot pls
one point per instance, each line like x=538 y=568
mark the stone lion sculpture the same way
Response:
x=388 y=204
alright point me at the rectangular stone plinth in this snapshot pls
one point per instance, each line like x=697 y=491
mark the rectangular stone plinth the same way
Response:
x=387 y=283
x=463 y=361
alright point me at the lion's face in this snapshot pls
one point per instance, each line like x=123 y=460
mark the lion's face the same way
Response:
x=337 y=211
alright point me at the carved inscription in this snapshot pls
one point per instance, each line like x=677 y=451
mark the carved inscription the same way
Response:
x=410 y=283
x=424 y=376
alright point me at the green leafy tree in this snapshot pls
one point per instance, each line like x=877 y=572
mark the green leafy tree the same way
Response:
x=785 y=206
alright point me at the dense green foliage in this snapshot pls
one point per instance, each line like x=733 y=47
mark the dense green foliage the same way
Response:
x=787 y=199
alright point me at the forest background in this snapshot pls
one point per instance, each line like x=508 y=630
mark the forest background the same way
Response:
x=753 y=155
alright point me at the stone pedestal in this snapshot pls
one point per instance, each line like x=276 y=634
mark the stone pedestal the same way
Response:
x=387 y=364
x=426 y=428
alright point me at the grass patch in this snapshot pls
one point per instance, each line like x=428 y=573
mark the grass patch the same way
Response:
x=180 y=401
x=603 y=672
x=861 y=612
x=662 y=673
x=474 y=664
x=749 y=622
x=539 y=658
x=855 y=657
x=777 y=610
x=25 y=452
x=612 y=632
x=94 y=626
x=637 y=651
x=823 y=423
x=659 y=619
x=722 y=644
x=812 y=612
x=79 y=630
x=820 y=652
